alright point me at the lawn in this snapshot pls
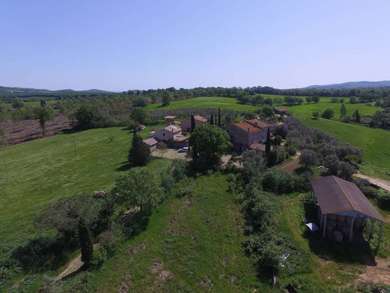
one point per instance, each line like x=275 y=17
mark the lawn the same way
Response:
x=373 y=142
x=204 y=102
x=41 y=171
x=195 y=241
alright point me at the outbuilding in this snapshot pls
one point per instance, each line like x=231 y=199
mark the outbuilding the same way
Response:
x=342 y=209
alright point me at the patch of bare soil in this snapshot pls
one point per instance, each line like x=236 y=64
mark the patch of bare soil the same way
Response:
x=133 y=250
x=20 y=131
x=162 y=275
x=378 y=274
x=125 y=285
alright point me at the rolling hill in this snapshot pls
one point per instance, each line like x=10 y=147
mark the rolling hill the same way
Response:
x=353 y=85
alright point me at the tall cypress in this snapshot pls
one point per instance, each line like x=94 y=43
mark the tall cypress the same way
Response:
x=139 y=153
x=268 y=142
x=192 y=122
x=219 y=117
x=212 y=119
x=86 y=245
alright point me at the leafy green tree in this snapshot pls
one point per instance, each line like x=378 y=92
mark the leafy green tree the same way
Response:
x=17 y=104
x=308 y=158
x=208 y=143
x=139 y=153
x=84 y=117
x=138 y=189
x=139 y=115
x=43 y=114
x=315 y=115
x=328 y=114
x=166 y=100
x=86 y=245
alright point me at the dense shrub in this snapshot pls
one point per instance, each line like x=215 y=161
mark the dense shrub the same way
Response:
x=383 y=198
x=327 y=114
x=280 y=182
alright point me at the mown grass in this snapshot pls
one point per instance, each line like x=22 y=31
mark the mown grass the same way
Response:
x=375 y=143
x=196 y=239
x=36 y=173
x=204 y=102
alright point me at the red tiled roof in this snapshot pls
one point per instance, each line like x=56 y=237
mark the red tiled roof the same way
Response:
x=247 y=127
x=150 y=141
x=258 y=123
x=336 y=195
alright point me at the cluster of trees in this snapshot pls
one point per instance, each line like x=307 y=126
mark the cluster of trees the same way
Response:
x=255 y=100
x=381 y=119
x=272 y=250
x=318 y=148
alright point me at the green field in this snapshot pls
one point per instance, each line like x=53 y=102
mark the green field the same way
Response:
x=204 y=102
x=35 y=173
x=325 y=103
x=375 y=143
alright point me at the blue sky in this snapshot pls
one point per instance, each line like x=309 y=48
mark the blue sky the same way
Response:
x=120 y=45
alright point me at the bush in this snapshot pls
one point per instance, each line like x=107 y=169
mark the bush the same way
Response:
x=383 y=198
x=327 y=114
x=280 y=182
x=178 y=170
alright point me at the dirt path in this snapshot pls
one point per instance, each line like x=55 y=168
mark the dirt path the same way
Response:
x=379 y=274
x=384 y=184
x=73 y=267
x=290 y=165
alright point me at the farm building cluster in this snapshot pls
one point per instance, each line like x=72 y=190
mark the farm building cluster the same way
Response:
x=248 y=134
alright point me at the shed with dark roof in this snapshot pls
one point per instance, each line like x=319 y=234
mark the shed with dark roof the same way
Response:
x=342 y=207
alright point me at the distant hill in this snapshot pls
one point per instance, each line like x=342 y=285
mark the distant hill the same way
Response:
x=353 y=85
x=7 y=92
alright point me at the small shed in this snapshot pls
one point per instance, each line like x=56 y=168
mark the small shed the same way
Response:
x=342 y=208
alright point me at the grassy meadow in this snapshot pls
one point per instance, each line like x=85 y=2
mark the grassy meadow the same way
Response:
x=36 y=173
x=204 y=102
x=372 y=141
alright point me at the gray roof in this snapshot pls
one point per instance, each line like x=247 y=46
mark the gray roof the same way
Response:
x=336 y=195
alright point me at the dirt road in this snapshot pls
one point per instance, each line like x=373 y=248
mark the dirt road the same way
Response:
x=384 y=184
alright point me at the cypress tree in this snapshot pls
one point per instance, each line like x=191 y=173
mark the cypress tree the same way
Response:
x=192 y=123
x=268 y=142
x=343 y=111
x=139 y=153
x=219 y=117
x=356 y=116
x=212 y=119
x=86 y=245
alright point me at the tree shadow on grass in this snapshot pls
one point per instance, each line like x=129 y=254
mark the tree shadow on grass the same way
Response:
x=124 y=166
x=344 y=252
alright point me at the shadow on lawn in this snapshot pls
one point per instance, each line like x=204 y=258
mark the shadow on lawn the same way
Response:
x=352 y=253
x=124 y=166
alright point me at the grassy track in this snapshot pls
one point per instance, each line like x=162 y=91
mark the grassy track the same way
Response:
x=38 y=172
x=195 y=240
x=375 y=143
